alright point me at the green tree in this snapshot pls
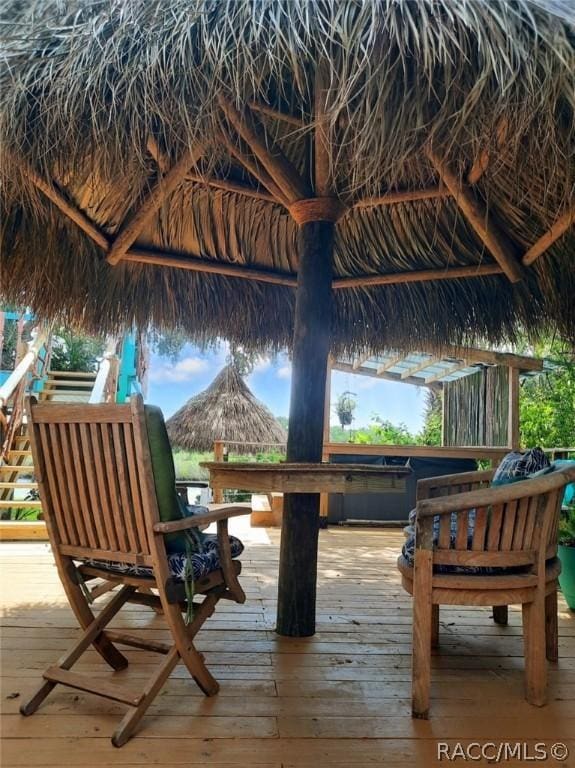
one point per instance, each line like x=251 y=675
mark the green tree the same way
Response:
x=432 y=419
x=73 y=351
x=384 y=432
x=547 y=402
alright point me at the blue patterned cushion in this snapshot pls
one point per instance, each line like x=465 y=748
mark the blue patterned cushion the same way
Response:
x=517 y=466
x=203 y=562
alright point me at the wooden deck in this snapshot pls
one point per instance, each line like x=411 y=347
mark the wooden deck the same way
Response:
x=341 y=698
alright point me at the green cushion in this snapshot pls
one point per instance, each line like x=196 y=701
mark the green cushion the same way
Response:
x=170 y=506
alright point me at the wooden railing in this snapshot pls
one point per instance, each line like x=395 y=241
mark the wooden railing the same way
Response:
x=16 y=386
x=106 y=383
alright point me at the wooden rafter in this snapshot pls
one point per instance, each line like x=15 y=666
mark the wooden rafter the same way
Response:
x=165 y=185
x=391 y=363
x=195 y=264
x=255 y=170
x=322 y=149
x=447 y=372
x=476 y=215
x=484 y=158
x=359 y=361
x=163 y=164
x=403 y=196
x=417 y=276
x=284 y=174
x=265 y=109
x=53 y=194
x=560 y=226
x=420 y=367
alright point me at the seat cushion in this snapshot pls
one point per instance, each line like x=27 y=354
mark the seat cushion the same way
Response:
x=203 y=562
x=170 y=506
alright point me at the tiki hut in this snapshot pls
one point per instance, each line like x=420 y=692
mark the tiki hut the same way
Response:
x=228 y=411
x=330 y=176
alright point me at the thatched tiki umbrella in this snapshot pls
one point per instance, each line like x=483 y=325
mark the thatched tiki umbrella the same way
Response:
x=226 y=410
x=320 y=175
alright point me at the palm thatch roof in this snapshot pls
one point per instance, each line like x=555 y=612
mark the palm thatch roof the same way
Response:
x=227 y=410
x=155 y=156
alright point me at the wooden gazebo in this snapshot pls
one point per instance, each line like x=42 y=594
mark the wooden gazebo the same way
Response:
x=328 y=176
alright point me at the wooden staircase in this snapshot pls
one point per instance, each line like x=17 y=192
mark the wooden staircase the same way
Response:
x=18 y=486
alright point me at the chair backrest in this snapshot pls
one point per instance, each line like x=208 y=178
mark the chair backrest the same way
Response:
x=95 y=478
x=506 y=526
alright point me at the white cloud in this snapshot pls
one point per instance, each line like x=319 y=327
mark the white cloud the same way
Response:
x=183 y=370
x=284 y=372
x=261 y=364
x=366 y=382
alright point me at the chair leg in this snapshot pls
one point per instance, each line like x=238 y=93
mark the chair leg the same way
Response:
x=551 y=627
x=131 y=719
x=85 y=617
x=183 y=639
x=435 y=626
x=30 y=706
x=534 y=643
x=501 y=614
x=421 y=665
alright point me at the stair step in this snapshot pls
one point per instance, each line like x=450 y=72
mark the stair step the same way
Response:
x=31 y=484
x=20 y=503
x=58 y=383
x=65 y=393
x=15 y=453
x=71 y=374
x=20 y=468
x=22 y=439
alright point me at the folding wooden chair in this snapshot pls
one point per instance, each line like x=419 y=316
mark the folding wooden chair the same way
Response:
x=99 y=499
x=513 y=543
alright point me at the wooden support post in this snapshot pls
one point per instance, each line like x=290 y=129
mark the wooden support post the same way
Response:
x=300 y=529
x=324 y=497
x=218 y=456
x=513 y=413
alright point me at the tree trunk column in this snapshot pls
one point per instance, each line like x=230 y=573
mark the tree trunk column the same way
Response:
x=311 y=344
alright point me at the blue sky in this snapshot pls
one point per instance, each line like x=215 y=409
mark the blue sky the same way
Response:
x=172 y=383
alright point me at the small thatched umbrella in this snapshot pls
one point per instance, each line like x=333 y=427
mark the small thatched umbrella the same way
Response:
x=407 y=164
x=227 y=410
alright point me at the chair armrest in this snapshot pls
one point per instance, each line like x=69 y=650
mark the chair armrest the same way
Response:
x=501 y=494
x=216 y=512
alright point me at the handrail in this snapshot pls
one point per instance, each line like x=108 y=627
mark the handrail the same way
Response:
x=9 y=387
x=105 y=384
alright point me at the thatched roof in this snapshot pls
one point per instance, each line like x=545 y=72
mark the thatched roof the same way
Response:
x=226 y=410
x=186 y=108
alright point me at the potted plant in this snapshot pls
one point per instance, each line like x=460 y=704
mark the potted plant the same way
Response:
x=567 y=555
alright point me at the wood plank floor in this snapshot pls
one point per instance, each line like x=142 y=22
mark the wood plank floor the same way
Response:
x=341 y=698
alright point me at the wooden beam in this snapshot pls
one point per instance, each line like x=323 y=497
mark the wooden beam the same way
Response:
x=322 y=149
x=403 y=196
x=490 y=357
x=233 y=186
x=270 y=156
x=49 y=189
x=476 y=215
x=195 y=264
x=385 y=375
x=559 y=227
x=258 y=172
x=447 y=372
x=265 y=109
x=359 y=361
x=513 y=439
x=482 y=161
x=420 y=367
x=165 y=185
x=417 y=276
x=391 y=363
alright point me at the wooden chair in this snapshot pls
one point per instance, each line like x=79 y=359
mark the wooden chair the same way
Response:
x=99 y=500
x=515 y=528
